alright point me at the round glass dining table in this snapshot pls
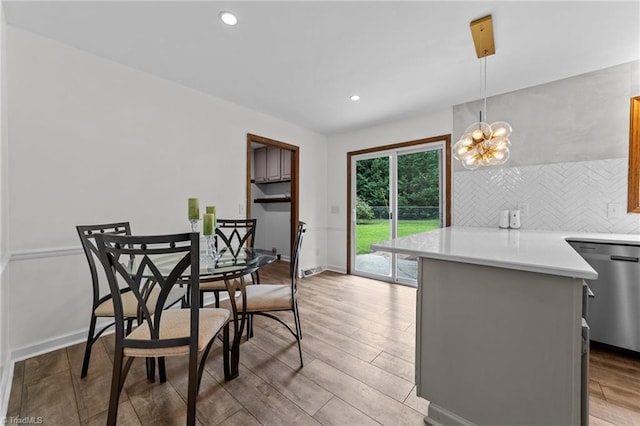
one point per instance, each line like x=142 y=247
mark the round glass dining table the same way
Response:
x=223 y=264
x=227 y=266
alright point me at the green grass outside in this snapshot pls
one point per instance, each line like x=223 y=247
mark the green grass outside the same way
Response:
x=378 y=230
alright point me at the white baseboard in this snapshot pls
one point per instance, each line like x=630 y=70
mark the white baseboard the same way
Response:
x=336 y=268
x=50 y=345
x=26 y=352
x=5 y=388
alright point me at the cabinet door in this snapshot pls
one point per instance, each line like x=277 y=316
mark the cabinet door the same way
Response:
x=260 y=165
x=273 y=164
x=285 y=164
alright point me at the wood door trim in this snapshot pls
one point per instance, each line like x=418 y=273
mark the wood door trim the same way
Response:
x=633 y=199
x=447 y=151
x=295 y=177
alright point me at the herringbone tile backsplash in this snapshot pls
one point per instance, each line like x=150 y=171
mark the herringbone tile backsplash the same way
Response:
x=560 y=197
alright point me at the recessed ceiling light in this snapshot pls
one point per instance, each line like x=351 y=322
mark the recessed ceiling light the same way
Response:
x=228 y=18
x=354 y=97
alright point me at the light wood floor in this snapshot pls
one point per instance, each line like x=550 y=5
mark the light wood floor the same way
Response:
x=358 y=351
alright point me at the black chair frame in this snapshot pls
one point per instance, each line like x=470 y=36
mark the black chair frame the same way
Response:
x=111 y=248
x=297 y=334
x=87 y=235
x=229 y=239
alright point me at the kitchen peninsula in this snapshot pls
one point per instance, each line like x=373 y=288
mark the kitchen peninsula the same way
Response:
x=499 y=329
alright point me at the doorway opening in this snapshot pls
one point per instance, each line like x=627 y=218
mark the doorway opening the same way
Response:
x=272 y=192
x=395 y=191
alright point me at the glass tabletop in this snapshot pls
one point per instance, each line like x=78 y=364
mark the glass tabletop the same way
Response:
x=246 y=259
x=211 y=268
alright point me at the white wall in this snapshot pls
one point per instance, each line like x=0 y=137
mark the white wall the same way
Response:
x=93 y=141
x=569 y=156
x=275 y=218
x=5 y=367
x=419 y=127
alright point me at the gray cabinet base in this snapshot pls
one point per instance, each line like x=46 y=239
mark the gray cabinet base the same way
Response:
x=438 y=416
x=498 y=346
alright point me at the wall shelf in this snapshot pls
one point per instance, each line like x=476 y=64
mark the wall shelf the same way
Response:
x=270 y=182
x=272 y=200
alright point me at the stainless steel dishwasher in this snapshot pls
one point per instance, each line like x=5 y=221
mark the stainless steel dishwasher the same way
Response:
x=614 y=313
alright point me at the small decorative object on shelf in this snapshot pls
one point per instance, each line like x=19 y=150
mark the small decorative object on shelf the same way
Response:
x=194 y=213
x=208 y=231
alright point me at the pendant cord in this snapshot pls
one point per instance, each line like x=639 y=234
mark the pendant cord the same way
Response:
x=485 y=87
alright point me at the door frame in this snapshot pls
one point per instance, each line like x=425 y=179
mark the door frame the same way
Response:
x=447 y=172
x=295 y=178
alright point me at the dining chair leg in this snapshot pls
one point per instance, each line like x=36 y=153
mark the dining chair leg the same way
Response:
x=249 y=326
x=192 y=392
x=116 y=385
x=225 y=352
x=296 y=320
x=204 y=356
x=162 y=371
x=151 y=369
x=296 y=314
x=88 y=347
x=235 y=346
x=216 y=294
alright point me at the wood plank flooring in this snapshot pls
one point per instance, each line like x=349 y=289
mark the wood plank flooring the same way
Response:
x=358 y=353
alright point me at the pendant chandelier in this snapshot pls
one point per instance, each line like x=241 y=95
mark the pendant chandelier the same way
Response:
x=483 y=144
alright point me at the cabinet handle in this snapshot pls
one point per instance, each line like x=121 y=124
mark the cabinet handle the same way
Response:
x=625 y=258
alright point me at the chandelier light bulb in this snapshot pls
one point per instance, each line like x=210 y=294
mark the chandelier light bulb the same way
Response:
x=477 y=135
x=501 y=128
x=471 y=163
x=483 y=145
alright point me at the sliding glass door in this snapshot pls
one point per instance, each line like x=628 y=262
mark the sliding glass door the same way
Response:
x=395 y=193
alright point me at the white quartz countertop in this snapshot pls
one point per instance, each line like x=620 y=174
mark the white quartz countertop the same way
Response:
x=544 y=252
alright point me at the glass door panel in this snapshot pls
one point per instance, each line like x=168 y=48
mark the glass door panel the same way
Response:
x=419 y=191
x=372 y=215
x=395 y=193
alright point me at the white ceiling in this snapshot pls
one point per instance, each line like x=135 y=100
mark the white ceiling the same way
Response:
x=300 y=61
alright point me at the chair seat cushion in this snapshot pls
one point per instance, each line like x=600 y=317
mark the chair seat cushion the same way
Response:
x=264 y=297
x=176 y=323
x=213 y=286
x=130 y=303
x=219 y=285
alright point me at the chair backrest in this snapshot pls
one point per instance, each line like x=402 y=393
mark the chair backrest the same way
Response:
x=233 y=234
x=295 y=257
x=87 y=234
x=164 y=261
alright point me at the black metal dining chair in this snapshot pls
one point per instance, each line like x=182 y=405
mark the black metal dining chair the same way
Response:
x=267 y=299
x=102 y=306
x=167 y=260
x=231 y=235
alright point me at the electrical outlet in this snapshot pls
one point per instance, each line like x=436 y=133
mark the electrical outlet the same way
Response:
x=524 y=209
x=614 y=210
